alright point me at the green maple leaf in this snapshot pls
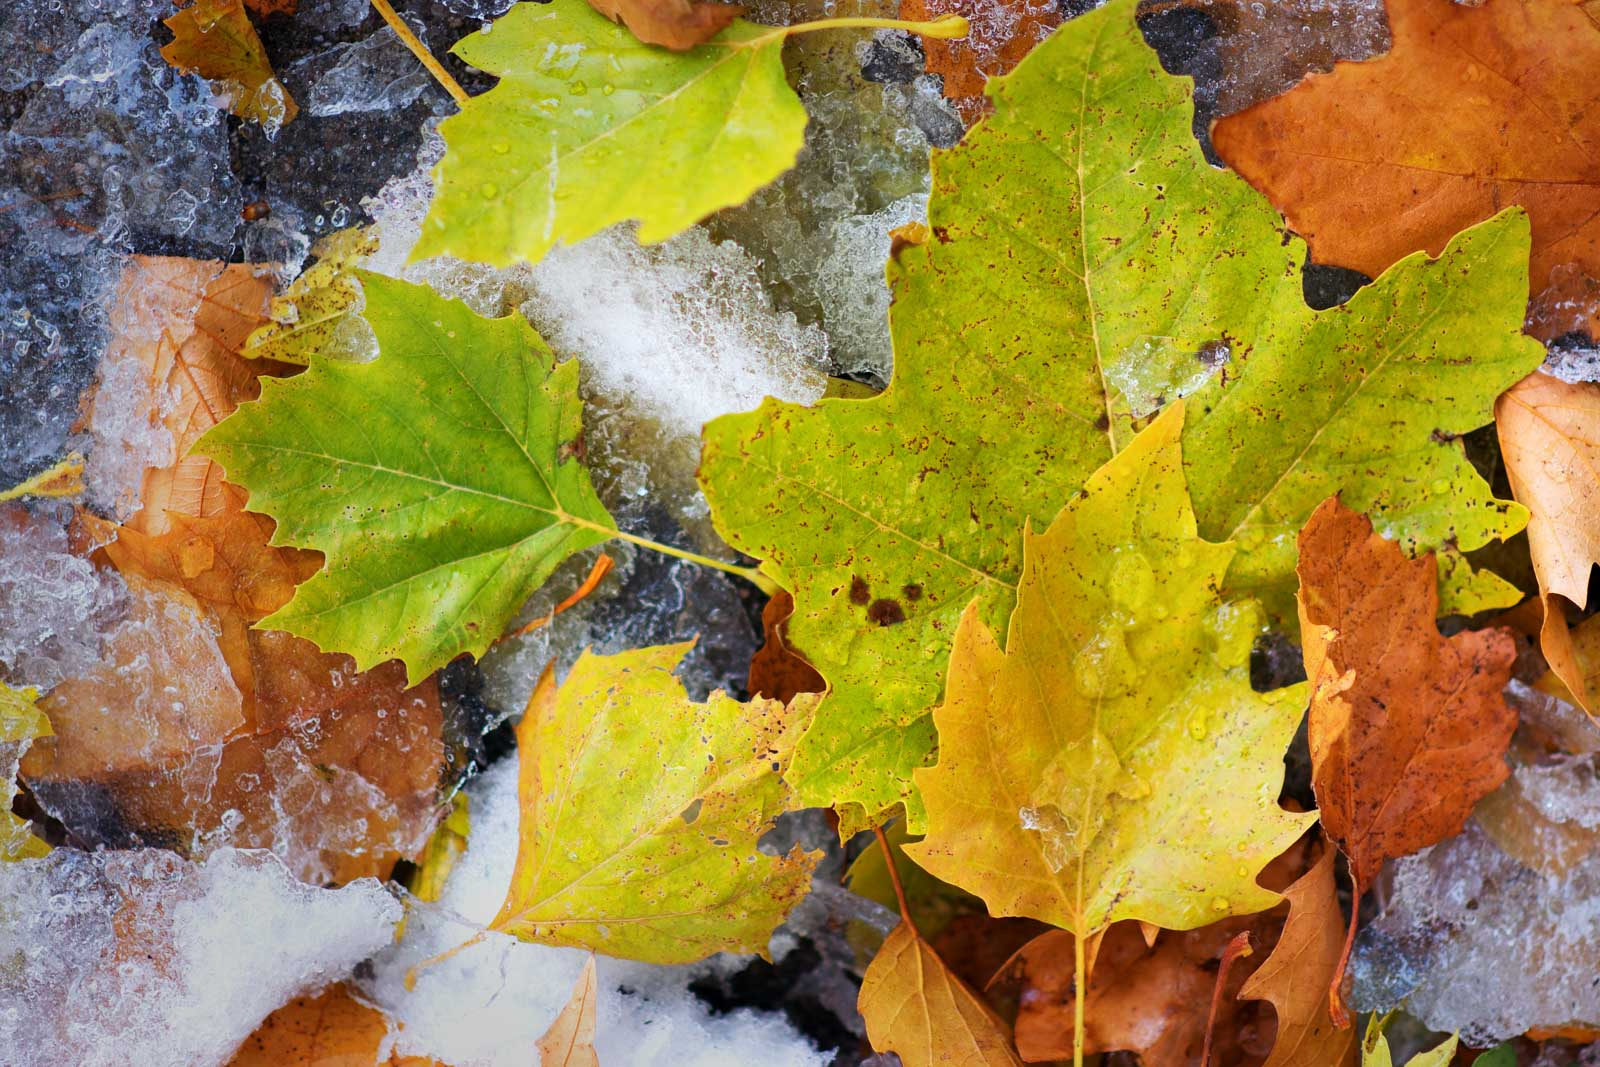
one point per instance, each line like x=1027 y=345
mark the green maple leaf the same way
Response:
x=1077 y=240
x=588 y=127
x=21 y=722
x=436 y=479
x=641 y=810
x=1113 y=762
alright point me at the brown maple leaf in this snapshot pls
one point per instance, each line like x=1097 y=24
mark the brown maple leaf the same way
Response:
x=216 y=40
x=675 y=24
x=1473 y=109
x=1000 y=35
x=1408 y=729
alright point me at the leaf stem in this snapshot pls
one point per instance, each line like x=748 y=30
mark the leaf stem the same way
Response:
x=420 y=50
x=1336 y=1008
x=1239 y=946
x=1080 y=978
x=749 y=574
x=894 y=879
x=945 y=28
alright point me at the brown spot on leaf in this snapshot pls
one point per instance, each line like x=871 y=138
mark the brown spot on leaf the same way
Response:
x=860 y=593
x=913 y=592
x=886 y=612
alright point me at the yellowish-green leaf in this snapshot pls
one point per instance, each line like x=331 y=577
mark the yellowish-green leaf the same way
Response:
x=445 y=847
x=588 y=127
x=1078 y=243
x=1375 y=1048
x=318 y=314
x=21 y=723
x=641 y=810
x=1113 y=762
x=441 y=480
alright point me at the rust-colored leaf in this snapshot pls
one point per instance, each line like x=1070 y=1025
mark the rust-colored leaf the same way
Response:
x=331 y=1029
x=675 y=24
x=1550 y=438
x=215 y=39
x=570 y=1040
x=1296 y=976
x=777 y=671
x=1473 y=109
x=916 y=1008
x=1000 y=35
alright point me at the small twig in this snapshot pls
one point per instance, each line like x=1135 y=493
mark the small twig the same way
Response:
x=894 y=879
x=420 y=50
x=1239 y=946
x=1336 y=1008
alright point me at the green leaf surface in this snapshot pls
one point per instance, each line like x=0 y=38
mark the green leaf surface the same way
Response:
x=436 y=480
x=641 y=810
x=1113 y=762
x=1077 y=238
x=588 y=127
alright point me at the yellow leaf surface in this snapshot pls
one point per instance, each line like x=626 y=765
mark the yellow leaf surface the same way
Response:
x=915 y=1008
x=1113 y=762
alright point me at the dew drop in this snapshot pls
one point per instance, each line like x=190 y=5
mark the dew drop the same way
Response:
x=1219 y=903
x=489 y=190
x=578 y=88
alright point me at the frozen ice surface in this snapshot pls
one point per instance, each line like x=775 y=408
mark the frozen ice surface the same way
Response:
x=140 y=957
x=330 y=15
x=1492 y=932
x=375 y=74
x=41 y=32
x=52 y=602
x=479 y=9
x=487 y=1005
x=853 y=292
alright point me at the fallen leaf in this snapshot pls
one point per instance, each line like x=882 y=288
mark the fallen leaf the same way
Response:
x=1408 y=729
x=1366 y=175
x=914 y=1007
x=641 y=810
x=318 y=315
x=330 y=1029
x=470 y=501
x=1296 y=977
x=447 y=845
x=676 y=24
x=777 y=671
x=995 y=420
x=534 y=162
x=1069 y=764
x=1375 y=1049
x=21 y=723
x=569 y=1042
x=63 y=478
x=1000 y=35
x=215 y=39
x=1550 y=440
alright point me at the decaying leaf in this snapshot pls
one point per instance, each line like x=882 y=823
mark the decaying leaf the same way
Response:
x=1001 y=34
x=1367 y=175
x=330 y=1029
x=21 y=723
x=777 y=671
x=617 y=130
x=641 y=810
x=676 y=24
x=468 y=502
x=215 y=39
x=1113 y=763
x=915 y=1008
x=886 y=517
x=569 y=1042
x=1295 y=978
x=1408 y=729
x=1550 y=440
x=319 y=313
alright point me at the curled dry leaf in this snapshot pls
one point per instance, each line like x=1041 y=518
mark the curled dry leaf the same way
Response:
x=641 y=810
x=1001 y=34
x=914 y=1007
x=1366 y=175
x=330 y=1029
x=570 y=1040
x=215 y=39
x=1295 y=978
x=1550 y=439
x=675 y=24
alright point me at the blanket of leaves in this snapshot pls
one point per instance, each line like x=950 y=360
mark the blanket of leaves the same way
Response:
x=949 y=532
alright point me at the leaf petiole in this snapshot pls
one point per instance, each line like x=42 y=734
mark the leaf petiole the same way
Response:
x=420 y=50
x=945 y=28
x=749 y=574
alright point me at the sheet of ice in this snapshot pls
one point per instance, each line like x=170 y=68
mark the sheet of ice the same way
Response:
x=143 y=958
x=1474 y=938
x=853 y=292
x=52 y=602
x=487 y=1005
x=377 y=73
x=330 y=15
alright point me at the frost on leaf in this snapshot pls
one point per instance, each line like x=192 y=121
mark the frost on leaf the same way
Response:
x=215 y=39
x=1112 y=762
x=641 y=811
x=587 y=128
x=465 y=503
x=993 y=420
